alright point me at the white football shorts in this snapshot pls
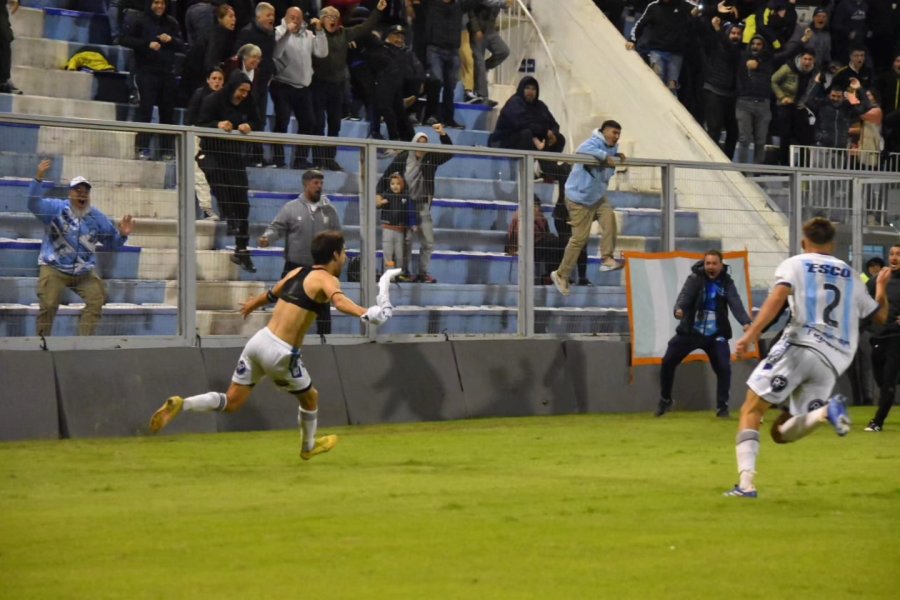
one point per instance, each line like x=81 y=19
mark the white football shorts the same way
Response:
x=266 y=354
x=796 y=375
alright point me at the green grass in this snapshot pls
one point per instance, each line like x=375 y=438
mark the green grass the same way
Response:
x=597 y=506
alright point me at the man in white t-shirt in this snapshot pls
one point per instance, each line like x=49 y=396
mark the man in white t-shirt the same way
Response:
x=827 y=302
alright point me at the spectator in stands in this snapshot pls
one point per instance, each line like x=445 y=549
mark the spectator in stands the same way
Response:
x=298 y=222
x=485 y=37
x=702 y=308
x=6 y=39
x=866 y=133
x=443 y=32
x=848 y=26
x=775 y=22
x=586 y=200
x=888 y=85
x=723 y=50
x=199 y=19
x=834 y=113
x=222 y=160
x=155 y=39
x=68 y=252
x=295 y=45
x=418 y=169
x=362 y=77
x=122 y=14
x=261 y=34
x=525 y=123
x=817 y=37
x=214 y=82
x=330 y=78
x=209 y=52
x=398 y=81
x=790 y=83
x=547 y=247
x=855 y=69
x=564 y=234
x=398 y=224
x=243 y=13
x=659 y=34
x=886 y=344
x=754 y=89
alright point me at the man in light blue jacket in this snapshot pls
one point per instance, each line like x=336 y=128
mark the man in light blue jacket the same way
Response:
x=586 y=200
x=68 y=258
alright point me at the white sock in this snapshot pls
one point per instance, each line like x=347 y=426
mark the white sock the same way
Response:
x=747 y=449
x=802 y=425
x=308 y=420
x=206 y=402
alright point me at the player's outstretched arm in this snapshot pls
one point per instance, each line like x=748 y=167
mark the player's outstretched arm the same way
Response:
x=769 y=311
x=267 y=297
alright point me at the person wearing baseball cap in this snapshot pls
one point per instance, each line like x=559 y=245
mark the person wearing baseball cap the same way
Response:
x=74 y=231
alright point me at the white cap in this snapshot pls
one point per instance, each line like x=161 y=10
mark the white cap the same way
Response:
x=78 y=181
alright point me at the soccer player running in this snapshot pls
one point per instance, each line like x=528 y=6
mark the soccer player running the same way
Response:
x=275 y=349
x=827 y=302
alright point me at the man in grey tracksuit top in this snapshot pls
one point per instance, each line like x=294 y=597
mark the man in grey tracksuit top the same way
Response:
x=300 y=220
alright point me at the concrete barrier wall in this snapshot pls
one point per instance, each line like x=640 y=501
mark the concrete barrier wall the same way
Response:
x=98 y=393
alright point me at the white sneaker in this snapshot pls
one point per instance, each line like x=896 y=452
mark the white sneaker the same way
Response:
x=210 y=215
x=611 y=264
x=562 y=285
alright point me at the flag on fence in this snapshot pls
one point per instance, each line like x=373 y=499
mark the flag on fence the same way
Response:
x=653 y=281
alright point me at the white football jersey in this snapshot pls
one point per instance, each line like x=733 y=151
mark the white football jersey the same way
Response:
x=827 y=302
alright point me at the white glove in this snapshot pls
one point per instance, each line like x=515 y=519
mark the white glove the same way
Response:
x=377 y=315
x=384 y=285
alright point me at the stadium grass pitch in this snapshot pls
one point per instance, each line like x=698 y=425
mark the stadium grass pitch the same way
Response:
x=587 y=506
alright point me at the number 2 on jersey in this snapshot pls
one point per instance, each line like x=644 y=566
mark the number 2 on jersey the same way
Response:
x=826 y=314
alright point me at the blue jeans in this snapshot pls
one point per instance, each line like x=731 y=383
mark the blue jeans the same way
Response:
x=493 y=43
x=443 y=67
x=667 y=65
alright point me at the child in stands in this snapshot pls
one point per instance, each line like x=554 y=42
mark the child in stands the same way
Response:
x=398 y=223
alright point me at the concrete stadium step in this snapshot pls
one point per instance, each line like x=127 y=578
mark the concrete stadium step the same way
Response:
x=57 y=83
x=229 y=295
x=54 y=107
x=43 y=53
x=461 y=137
x=476 y=167
x=27 y=22
x=106 y=172
x=439 y=319
x=43 y=141
x=23 y=290
x=19 y=258
x=118 y=319
x=113 y=201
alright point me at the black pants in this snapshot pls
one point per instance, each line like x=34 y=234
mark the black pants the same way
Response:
x=792 y=125
x=323 y=319
x=227 y=175
x=719 y=358
x=389 y=106
x=156 y=89
x=288 y=100
x=720 y=116
x=886 y=365
x=328 y=106
x=6 y=39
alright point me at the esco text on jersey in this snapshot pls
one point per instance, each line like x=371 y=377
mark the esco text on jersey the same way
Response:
x=826 y=269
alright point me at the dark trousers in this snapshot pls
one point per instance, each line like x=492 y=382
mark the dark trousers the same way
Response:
x=227 y=176
x=719 y=358
x=323 y=319
x=886 y=365
x=328 y=104
x=6 y=39
x=288 y=100
x=156 y=89
x=389 y=106
x=442 y=66
x=792 y=125
x=720 y=116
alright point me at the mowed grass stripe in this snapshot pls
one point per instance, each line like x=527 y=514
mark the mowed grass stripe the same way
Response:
x=590 y=506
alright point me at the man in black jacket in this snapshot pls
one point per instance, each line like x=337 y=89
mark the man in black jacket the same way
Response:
x=886 y=344
x=659 y=34
x=261 y=33
x=754 y=91
x=418 y=169
x=398 y=78
x=722 y=51
x=702 y=306
x=443 y=32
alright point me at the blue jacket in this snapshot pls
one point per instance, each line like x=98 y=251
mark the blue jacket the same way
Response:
x=587 y=183
x=70 y=243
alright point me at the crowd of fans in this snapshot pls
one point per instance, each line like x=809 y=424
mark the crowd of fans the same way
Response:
x=750 y=69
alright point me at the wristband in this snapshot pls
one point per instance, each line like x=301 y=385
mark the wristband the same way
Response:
x=271 y=297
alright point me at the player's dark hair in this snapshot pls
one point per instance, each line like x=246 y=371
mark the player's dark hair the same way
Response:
x=325 y=244
x=610 y=123
x=714 y=252
x=819 y=231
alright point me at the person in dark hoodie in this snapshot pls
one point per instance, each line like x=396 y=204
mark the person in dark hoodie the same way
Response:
x=525 y=123
x=722 y=52
x=230 y=109
x=754 y=89
x=702 y=309
x=659 y=34
x=155 y=38
x=209 y=52
x=214 y=82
